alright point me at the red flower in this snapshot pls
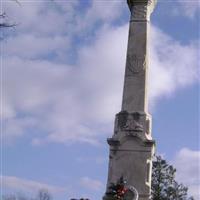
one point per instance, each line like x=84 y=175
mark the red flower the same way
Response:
x=121 y=191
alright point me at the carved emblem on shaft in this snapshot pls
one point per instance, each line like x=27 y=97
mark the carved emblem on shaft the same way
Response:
x=136 y=63
x=132 y=123
x=129 y=121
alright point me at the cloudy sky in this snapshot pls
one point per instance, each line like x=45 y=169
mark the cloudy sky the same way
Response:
x=62 y=71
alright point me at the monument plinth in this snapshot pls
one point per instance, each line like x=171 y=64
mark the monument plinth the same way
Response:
x=131 y=146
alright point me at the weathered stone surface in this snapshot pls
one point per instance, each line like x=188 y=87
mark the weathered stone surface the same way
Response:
x=141 y=9
x=132 y=160
x=131 y=146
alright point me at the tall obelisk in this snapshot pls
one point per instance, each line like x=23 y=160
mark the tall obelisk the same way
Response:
x=131 y=146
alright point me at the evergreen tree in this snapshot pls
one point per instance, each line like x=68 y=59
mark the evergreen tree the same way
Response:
x=164 y=185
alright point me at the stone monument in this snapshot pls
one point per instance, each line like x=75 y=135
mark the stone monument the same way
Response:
x=131 y=146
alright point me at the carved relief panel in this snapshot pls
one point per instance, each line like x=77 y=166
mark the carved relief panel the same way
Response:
x=129 y=122
x=135 y=64
x=139 y=11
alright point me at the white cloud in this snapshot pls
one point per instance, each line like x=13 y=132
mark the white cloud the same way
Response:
x=188 y=8
x=36 y=46
x=100 y=12
x=187 y=163
x=40 y=17
x=18 y=127
x=24 y=185
x=69 y=103
x=91 y=184
x=172 y=65
x=71 y=98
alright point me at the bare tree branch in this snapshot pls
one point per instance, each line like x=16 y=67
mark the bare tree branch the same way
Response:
x=4 y=17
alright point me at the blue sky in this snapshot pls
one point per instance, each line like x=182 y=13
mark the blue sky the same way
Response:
x=62 y=78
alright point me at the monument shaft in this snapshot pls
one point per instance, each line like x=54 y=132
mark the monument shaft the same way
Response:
x=134 y=96
x=131 y=146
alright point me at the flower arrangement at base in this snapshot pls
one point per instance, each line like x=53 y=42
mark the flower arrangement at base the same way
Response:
x=118 y=190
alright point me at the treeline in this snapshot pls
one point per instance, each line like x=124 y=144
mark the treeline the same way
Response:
x=164 y=185
x=42 y=194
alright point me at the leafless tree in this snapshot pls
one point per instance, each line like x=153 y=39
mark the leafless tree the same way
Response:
x=44 y=194
x=4 y=22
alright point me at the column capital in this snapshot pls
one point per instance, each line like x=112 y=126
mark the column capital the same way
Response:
x=141 y=9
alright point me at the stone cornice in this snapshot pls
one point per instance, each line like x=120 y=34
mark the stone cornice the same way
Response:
x=141 y=9
x=136 y=2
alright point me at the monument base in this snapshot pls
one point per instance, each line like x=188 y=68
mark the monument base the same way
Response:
x=131 y=158
x=121 y=190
